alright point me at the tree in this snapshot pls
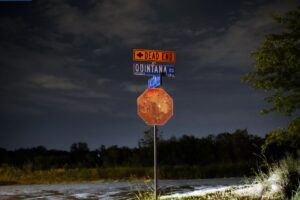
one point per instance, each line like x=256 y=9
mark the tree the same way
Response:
x=79 y=147
x=80 y=154
x=277 y=65
x=277 y=70
x=147 y=140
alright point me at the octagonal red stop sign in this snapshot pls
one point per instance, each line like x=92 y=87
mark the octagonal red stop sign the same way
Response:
x=155 y=106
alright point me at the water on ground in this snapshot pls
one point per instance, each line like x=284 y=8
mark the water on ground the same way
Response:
x=117 y=190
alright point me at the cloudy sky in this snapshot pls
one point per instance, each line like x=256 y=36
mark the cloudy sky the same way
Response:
x=66 y=68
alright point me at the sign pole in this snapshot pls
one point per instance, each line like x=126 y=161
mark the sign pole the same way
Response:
x=155 y=161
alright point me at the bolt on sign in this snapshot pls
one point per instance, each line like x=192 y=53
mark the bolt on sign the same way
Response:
x=155 y=106
x=154 y=55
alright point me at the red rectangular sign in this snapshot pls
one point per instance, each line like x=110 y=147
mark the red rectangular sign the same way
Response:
x=154 y=55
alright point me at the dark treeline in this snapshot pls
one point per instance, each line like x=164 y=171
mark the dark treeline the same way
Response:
x=223 y=149
x=223 y=155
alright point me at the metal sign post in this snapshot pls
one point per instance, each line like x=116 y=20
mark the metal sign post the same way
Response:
x=155 y=161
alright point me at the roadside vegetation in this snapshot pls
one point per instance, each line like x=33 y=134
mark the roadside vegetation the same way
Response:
x=276 y=181
x=12 y=175
x=26 y=175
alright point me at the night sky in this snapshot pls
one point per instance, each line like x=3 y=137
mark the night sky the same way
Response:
x=66 y=68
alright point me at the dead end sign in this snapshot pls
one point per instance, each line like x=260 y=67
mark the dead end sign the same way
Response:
x=154 y=55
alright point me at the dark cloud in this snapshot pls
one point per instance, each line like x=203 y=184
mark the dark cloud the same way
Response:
x=230 y=46
x=66 y=68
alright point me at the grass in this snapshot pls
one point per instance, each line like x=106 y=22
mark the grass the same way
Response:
x=145 y=194
x=27 y=174
x=279 y=181
x=220 y=196
x=13 y=175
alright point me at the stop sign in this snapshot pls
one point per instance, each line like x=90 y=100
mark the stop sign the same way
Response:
x=155 y=106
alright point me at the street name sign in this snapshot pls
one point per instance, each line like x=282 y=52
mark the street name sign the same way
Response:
x=155 y=81
x=154 y=55
x=155 y=106
x=152 y=70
